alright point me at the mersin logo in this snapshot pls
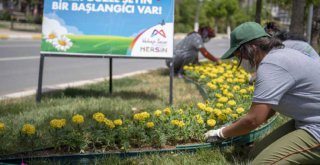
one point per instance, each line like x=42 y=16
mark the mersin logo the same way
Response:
x=156 y=32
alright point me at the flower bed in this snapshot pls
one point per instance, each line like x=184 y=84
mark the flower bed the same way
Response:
x=229 y=96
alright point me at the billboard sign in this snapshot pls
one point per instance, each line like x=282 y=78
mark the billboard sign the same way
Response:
x=128 y=28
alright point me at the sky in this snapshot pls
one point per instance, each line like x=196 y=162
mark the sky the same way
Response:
x=80 y=22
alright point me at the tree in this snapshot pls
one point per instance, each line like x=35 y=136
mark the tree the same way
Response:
x=315 y=41
x=297 y=17
x=184 y=15
x=258 y=11
x=223 y=11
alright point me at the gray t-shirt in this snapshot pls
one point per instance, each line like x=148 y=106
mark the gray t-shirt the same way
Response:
x=303 y=47
x=290 y=82
x=188 y=48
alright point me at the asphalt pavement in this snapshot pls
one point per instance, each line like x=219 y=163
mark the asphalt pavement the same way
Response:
x=24 y=36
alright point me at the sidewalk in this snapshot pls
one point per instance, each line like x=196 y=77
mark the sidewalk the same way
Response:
x=13 y=34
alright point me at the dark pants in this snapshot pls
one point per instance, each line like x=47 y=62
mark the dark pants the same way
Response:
x=287 y=145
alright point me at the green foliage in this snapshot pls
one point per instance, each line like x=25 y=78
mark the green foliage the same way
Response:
x=184 y=15
x=214 y=13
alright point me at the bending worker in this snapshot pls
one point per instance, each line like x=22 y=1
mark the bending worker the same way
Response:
x=186 y=51
x=291 y=40
x=287 y=82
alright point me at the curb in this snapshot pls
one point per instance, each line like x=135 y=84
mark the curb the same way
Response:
x=17 y=36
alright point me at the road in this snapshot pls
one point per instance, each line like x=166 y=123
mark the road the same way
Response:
x=19 y=65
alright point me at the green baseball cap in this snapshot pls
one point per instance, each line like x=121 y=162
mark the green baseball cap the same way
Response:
x=244 y=33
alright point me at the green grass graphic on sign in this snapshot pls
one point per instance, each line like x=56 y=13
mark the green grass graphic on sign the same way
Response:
x=92 y=45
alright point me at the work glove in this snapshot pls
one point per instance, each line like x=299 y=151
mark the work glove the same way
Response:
x=215 y=135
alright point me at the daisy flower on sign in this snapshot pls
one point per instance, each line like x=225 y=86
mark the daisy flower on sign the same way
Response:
x=51 y=37
x=62 y=43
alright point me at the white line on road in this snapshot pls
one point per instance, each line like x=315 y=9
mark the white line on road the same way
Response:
x=20 y=46
x=20 y=58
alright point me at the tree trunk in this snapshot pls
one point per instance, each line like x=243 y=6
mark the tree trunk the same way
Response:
x=315 y=40
x=258 y=11
x=297 y=22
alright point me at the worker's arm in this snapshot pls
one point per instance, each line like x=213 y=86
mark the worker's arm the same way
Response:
x=208 y=55
x=258 y=114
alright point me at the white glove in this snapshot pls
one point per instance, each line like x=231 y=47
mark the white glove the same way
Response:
x=214 y=134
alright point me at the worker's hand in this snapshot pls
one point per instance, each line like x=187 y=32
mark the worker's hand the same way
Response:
x=215 y=135
x=219 y=62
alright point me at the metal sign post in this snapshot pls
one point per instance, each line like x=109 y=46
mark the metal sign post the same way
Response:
x=40 y=77
x=171 y=82
x=110 y=75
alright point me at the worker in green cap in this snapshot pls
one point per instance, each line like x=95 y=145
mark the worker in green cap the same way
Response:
x=287 y=82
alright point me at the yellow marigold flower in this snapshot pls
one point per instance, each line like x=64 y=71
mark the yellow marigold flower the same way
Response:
x=251 y=88
x=2 y=126
x=223 y=99
x=181 y=124
x=234 y=115
x=202 y=77
x=157 y=113
x=198 y=117
x=200 y=121
x=218 y=95
x=225 y=92
x=213 y=75
x=186 y=67
x=174 y=122
x=109 y=123
x=241 y=80
x=177 y=123
x=217 y=112
x=28 y=129
x=99 y=117
x=232 y=103
x=136 y=116
x=150 y=124
x=240 y=110
x=211 y=122
x=141 y=116
x=58 y=123
x=167 y=111
x=117 y=122
x=225 y=111
x=78 y=119
x=209 y=109
x=230 y=95
x=229 y=80
x=222 y=117
x=235 y=62
x=243 y=91
x=145 y=115
x=219 y=80
x=219 y=105
x=201 y=106
x=236 y=88
x=212 y=86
